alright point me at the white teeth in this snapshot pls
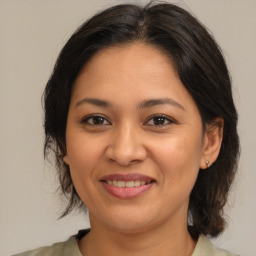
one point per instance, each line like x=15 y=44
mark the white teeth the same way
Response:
x=115 y=183
x=136 y=183
x=121 y=184
x=127 y=184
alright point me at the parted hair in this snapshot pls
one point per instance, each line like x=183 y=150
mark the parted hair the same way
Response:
x=201 y=68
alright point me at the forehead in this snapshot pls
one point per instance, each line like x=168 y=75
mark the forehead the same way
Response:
x=137 y=58
x=127 y=69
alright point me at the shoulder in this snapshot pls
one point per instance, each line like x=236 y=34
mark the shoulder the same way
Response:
x=66 y=248
x=204 y=246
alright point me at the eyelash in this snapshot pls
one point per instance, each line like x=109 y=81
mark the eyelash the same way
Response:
x=91 y=117
x=103 y=119
x=163 y=117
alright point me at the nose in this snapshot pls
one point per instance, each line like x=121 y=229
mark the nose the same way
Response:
x=126 y=146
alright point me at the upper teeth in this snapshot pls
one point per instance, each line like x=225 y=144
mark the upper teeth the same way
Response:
x=126 y=184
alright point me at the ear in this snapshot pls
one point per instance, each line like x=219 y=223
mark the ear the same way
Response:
x=212 y=142
x=66 y=160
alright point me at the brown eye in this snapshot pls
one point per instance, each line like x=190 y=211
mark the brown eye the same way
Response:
x=159 y=120
x=95 y=120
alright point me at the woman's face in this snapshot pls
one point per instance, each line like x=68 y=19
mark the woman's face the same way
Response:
x=134 y=139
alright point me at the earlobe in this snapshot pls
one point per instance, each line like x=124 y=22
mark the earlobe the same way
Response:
x=66 y=160
x=212 y=143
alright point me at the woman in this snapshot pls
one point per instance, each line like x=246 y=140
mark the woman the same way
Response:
x=140 y=116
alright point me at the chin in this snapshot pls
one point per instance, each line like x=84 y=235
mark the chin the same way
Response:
x=129 y=221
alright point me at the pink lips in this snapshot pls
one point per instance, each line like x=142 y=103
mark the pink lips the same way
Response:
x=127 y=177
x=127 y=192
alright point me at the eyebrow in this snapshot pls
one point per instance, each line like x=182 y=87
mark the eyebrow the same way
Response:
x=96 y=102
x=144 y=104
x=154 y=102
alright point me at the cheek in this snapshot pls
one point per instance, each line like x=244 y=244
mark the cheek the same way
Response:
x=179 y=159
x=83 y=159
x=83 y=155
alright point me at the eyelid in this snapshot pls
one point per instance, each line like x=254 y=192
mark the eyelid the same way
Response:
x=169 y=119
x=86 y=118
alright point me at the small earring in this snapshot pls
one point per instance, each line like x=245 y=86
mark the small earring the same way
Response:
x=207 y=163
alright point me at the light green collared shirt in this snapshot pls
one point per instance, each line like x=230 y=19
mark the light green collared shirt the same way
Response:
x=204 y=247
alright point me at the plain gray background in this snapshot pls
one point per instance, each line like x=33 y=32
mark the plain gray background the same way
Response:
x=32 y=33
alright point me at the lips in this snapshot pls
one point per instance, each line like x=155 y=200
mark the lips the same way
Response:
x=127 y=186
x=127 y=177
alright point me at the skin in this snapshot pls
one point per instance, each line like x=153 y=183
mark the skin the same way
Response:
x=128 y=138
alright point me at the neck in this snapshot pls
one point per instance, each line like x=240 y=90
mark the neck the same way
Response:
x=162 y=240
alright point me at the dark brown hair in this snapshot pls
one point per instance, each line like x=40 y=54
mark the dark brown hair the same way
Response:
x=202 y=70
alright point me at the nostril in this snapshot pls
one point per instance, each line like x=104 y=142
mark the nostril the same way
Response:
x=125 y=151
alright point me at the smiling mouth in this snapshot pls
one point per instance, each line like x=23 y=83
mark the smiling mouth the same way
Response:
x=127 y=184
